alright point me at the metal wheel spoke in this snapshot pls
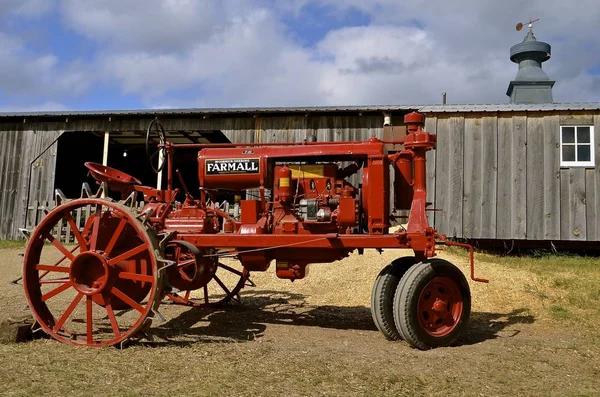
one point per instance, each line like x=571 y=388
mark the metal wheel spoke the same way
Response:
x=64 y=257
x=68 y=312
x=218 y=280
x=55 y=280
x=96 y=227
x=50 y=268
x=232 y=270
x=75 y=229
x=60 y=247
x=128 y=254
x=186 y=262
x=115 y=237
x=56 y=291
x=90 y=321
x=125 y=298
x=56 y=264
x=136 y=277
x=113 y=320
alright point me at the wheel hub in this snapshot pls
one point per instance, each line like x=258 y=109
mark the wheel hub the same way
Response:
x=440 y=306
x=89 y=273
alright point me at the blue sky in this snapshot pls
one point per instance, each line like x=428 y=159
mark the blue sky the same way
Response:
x=125 y=54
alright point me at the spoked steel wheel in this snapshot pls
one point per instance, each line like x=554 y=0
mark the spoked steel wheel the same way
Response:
x=432 y=304
x=101 y=291
x=223 y=286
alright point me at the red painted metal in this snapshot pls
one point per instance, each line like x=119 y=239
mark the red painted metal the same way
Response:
x=113 y=267
x=115 y=179
x=440 y=307
x=313 y=214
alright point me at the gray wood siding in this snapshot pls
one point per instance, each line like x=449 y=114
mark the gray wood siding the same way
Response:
x=512 y=183
x=17 y=150
x=431 y=126
x=592 y=189
x=511 y=214
x=480 y=177
x=449 y=176
x=493 y=175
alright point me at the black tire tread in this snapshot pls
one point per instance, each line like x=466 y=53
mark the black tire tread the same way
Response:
x=382 y=296
x=405 y=294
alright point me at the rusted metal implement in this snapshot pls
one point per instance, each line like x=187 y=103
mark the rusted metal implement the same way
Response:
x=126 y=262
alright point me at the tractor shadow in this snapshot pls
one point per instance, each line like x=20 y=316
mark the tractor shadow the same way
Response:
x=487 y=326
x=248 y=322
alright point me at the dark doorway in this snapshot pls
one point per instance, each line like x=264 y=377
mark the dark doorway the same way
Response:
x=127 y=153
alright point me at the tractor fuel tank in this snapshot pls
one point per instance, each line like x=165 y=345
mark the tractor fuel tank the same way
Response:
x=234 y=168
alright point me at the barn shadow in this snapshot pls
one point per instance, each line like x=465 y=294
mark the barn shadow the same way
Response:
x=248 y=322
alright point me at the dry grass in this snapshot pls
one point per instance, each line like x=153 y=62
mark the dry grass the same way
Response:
x=562 y=287
x=4 y=244
x=316 y=337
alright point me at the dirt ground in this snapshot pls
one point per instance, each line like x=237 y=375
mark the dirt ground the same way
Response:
x=316 y=337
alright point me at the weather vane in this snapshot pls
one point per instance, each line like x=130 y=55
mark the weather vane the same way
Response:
x=529 y=24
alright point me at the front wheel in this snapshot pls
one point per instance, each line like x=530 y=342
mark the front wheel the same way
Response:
x=432 y=304
x=382 y=296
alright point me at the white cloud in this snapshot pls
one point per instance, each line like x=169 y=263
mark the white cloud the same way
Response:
x=26 y=8
x=25 y=73
x=149 y=25
x=480 y=33
x=49 y=106
x=240 y=52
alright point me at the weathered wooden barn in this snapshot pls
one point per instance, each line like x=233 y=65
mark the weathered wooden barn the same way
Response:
x=509 y=172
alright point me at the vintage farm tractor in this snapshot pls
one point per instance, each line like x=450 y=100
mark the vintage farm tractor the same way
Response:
x=108 y=287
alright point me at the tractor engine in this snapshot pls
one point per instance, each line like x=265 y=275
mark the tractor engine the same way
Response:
x=306 y=197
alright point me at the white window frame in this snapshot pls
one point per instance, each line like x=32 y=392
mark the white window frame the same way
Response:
x=588 y=164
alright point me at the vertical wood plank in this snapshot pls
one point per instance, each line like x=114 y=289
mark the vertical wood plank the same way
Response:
x=572 y=202
x=449 y=176
x=519 y=175
x=591 y=205
x=578 y=204
x=504 y=210
x=593 y=188
x=489 y=176
x=551 y=169
x=430 y=157
x=472 y=178
x=535 y=178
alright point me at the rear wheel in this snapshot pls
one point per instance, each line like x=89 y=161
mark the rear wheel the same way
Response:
x=382 y=296
x=103 y=290
x=432 y=304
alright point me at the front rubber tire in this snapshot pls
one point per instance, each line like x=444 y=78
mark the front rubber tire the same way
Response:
x=382 y=296
x=432 y=304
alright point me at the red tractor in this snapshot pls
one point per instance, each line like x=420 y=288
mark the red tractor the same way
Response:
x=125 y=262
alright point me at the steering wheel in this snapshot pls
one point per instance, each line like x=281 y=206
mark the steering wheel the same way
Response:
x=112 y=176
x=156 y=128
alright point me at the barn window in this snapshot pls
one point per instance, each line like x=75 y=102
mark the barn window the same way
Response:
x=576 y=146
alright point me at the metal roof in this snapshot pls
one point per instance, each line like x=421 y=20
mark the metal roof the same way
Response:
x=204 y=111
x=450 y=108
x=510 y=107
